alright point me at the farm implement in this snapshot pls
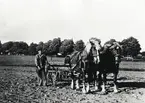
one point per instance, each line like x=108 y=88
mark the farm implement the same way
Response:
x=58 y=72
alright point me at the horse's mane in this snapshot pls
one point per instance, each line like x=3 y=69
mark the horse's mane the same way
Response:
x=113 y=49
x=93 y=40
x=76 y=55
x=87 y=47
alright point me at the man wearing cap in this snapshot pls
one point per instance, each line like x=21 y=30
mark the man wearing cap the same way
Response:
x=40 y=62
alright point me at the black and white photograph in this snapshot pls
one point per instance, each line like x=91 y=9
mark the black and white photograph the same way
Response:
x=72 y=51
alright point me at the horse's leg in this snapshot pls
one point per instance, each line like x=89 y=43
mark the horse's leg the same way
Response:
x=115 y=83
x=104 y=83
x=88 y=76
x=40 y=82
x=77 y=82
x=88 y=88
x=83 y=89
x=115 y=78
x=72 y=83
x=95 y=80
x=99 y=80
x=83 y=66
x=54 y=78
x=83 y=81
x=88 y=82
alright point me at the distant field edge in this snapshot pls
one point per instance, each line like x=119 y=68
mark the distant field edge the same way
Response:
x=122 y=69
x=132 y=69
x=55 y=65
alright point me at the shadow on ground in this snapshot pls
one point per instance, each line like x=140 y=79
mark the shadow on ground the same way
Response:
x=132 y=84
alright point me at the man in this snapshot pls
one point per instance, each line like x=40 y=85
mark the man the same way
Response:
x=41 y=62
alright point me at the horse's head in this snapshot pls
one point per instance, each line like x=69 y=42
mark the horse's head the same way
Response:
x=72 y=59
x=96 y=43
x=67 y=59
x=116 y=50
x=95 y=47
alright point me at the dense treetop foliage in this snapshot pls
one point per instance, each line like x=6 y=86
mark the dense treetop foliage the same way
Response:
x=131 y=47
x=66 y=47
x=79 y=45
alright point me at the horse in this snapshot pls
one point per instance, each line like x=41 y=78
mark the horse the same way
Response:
x=84 y=64
x=110 y=58
x=74 y=62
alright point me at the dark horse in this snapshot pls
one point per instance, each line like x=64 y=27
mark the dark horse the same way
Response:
x=85 y=65
x=110 y=57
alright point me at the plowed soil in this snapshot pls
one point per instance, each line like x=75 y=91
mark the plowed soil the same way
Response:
x=20 y=85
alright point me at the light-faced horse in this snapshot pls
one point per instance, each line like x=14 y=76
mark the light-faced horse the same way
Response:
x=85 y=65
x=110 y=59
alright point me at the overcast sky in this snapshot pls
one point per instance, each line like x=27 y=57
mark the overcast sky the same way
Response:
x=42 y=20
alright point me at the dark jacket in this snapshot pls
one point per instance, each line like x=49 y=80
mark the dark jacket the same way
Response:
x=40 y=60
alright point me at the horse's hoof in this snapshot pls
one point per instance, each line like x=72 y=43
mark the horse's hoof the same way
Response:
x=97 y=90
x=72 y=88
x=103 y=93
x=46 y=85
x=115 y=91
x=40 y=84
x=77 y=89
x=88 y=92
x=84 y=91
x=57 y=87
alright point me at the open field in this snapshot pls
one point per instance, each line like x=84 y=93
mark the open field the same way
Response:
x=11 y=60
x=18 y=84
x=17 y=60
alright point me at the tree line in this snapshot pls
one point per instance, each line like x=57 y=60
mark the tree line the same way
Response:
x=131 y=47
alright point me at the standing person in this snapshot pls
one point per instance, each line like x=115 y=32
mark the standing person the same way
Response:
x=41 y=62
